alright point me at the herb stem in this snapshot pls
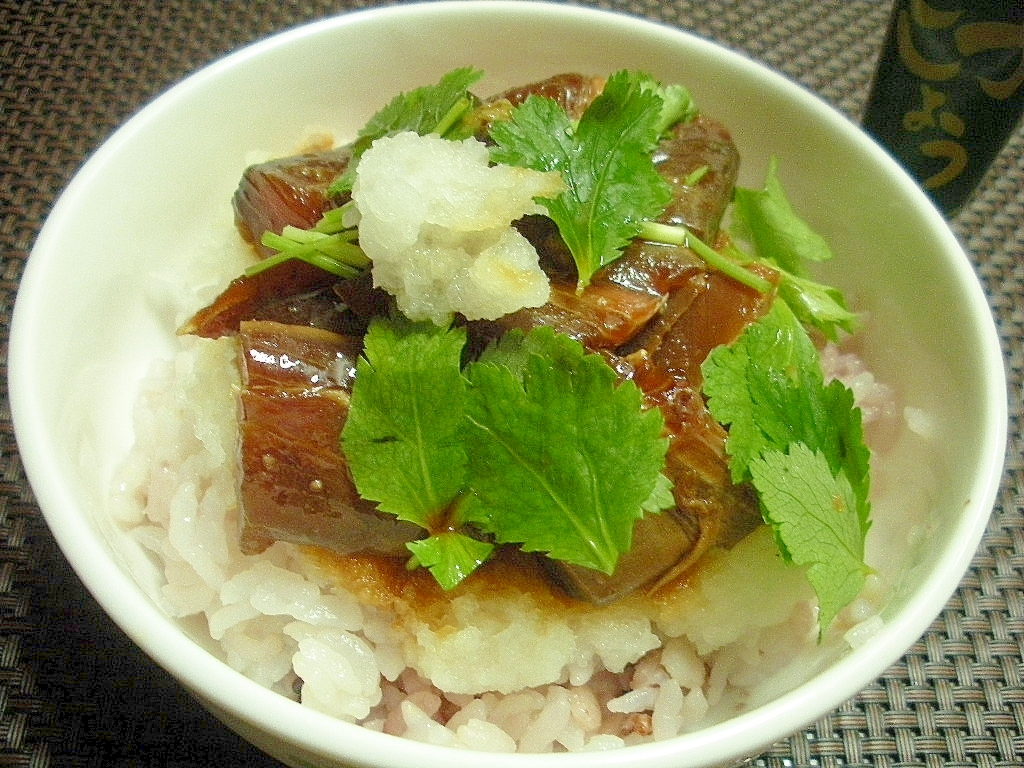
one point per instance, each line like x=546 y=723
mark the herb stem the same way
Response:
x=453 y=115
x=693 y=178
x=336 y=221
x=334 y=253
x=670 y=234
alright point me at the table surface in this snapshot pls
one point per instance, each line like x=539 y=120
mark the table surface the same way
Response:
x=75 y=692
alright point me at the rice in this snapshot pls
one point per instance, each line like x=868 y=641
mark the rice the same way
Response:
x=494 y=668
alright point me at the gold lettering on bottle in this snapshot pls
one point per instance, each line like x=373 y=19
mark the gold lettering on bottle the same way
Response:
x=951 y=151
x=1000 y=75
x=930 y=116
x=985 y=36
x=952 y=124
x=919 y=119
x=914 y=61
x=927 y=17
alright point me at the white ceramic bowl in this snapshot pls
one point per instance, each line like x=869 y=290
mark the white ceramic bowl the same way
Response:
x=96 y=305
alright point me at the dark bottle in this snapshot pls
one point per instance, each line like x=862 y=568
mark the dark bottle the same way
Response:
x=949 y=90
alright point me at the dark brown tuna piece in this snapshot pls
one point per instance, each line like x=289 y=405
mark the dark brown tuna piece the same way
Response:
x=570 y=90
x=718 y=308
x=295 y=482
x=265 y=295
x=288 y=191
x=705 y=147
x=676 y=273
x=602 y=316
x=293 y=293
x=697 y=205
x=660 y=543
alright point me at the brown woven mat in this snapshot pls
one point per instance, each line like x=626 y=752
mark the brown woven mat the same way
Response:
x=75 y=692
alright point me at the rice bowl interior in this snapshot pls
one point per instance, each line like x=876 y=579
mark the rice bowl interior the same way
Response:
x=184 y=155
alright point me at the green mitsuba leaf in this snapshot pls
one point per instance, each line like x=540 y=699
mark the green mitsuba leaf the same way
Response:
x=450 y=556
x=778 y=233
x=814 y=514
x=612 y=185
x=768 y=388
x=788 y=243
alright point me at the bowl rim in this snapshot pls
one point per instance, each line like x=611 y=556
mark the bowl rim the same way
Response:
x=224 y=689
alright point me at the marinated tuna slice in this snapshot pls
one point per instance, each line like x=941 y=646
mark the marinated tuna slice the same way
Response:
x=660 y=542
x=265 y=295
x=572 y=91
x=700 y=162
x=718 y=308
x=696 y=462
x=653 y=268
x=707 y=501
x=290 y=191
x=293 y=293
x=295 y=482
x=710 y=510
x=695 y=310
x=602 y=316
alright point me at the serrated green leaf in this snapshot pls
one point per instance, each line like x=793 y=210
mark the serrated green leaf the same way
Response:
x=768 y=388
x=661 y=497
x=422 y=109
x=536 y=444
x=539 y=135
x=758 y=386
x=612 y=185
x=678 y=105
x=779 y=235
x=563 y=457
x=818 y=306
x=450 y=556
x=814 y=515
x=785 y=241
x=402 y=438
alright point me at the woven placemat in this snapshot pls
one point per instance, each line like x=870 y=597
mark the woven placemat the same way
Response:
x=75 y=692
